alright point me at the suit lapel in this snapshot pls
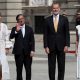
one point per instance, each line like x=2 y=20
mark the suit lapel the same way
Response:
x=21 y=34
x=52 y=24
x=59 y=22
x=25 y=31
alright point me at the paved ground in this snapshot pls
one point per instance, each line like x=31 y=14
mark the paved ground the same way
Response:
x=40 y=70
x=40 y=67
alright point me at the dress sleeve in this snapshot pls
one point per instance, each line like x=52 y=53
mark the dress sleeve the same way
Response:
x=77 y=27
x=8 y=44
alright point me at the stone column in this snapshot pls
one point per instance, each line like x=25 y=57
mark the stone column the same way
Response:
x=49 y=2
x=3 y=9
x=14 y=7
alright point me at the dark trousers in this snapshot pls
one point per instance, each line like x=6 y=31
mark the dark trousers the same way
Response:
x=21 y=60
x=60 y=55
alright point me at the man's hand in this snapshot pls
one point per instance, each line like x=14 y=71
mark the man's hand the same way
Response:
x=66 y=49
x=7 y=50
x=47 y=50
x=18 y=27
x=32 y=53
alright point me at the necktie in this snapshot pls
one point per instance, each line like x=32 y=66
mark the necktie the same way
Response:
x=56 y=23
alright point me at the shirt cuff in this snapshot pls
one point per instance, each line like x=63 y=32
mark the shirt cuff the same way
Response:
x=16 y=32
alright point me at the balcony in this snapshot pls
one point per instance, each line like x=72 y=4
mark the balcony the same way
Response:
x=40 y=2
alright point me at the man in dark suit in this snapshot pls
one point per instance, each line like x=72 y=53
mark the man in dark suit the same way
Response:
x=56 y=41
x=24 y=46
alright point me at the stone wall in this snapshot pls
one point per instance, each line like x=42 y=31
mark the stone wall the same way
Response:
x=14 y=7
x=10 y=8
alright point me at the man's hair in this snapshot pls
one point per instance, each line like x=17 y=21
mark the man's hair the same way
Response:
x=18 y=16
x=55 y=2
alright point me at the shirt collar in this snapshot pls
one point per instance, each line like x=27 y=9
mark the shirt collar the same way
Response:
x=23 y=26
x=56 y=15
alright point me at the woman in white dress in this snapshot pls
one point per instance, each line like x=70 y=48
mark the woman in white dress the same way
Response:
x=3 y=57
x=78 y=46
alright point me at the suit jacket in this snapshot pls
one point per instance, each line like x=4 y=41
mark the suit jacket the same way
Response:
x=27 y=43
x=57 y=39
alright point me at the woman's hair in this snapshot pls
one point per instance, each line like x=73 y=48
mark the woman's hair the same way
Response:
x=78 y=17
x=78 y=21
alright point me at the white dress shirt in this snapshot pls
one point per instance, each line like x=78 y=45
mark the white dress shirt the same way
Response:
x=56 y=16
x=23 y=30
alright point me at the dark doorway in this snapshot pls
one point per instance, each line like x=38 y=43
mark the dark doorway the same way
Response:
x=39 y=21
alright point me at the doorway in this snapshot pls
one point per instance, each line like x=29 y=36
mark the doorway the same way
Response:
x=39 y=22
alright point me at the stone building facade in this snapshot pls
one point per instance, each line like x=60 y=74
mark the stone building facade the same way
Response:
x=36 y=11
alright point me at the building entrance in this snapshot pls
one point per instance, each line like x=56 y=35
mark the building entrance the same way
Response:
x=39 y=21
